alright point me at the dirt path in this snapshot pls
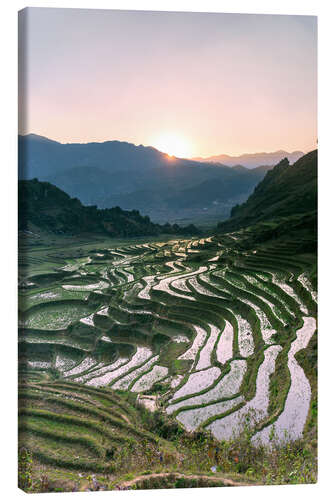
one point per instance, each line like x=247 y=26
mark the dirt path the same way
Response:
x=225 y=481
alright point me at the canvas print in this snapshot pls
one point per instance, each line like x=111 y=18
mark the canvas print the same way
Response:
x=167 y=250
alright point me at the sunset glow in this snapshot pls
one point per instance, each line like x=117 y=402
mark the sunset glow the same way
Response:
x=189 y=84
x=173 y=145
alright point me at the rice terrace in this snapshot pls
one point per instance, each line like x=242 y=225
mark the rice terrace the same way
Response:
x=167 y=237
x=167 y=356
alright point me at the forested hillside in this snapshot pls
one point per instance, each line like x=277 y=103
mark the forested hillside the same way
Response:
x=45 y=207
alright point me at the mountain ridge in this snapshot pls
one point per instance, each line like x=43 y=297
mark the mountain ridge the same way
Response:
x=116 y=173
x=252 y=160
x=287 y=192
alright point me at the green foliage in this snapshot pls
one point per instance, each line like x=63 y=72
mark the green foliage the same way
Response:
x=48 y=208
x=25 y=470
x=287 y=196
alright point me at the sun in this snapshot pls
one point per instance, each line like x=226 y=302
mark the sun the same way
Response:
x=173 y=145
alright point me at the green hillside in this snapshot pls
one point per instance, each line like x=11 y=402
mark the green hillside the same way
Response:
x=92 y=439
x=286 y=191
x=45 y=207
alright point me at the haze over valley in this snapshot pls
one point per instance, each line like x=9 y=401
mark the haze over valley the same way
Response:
x=167 y=188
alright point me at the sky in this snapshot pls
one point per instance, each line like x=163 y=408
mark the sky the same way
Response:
x=190 y=84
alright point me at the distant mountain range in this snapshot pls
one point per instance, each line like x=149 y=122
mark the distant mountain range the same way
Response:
x=253 y=160
x=121 y=174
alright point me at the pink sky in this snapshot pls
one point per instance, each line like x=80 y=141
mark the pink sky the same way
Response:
x=221 y=83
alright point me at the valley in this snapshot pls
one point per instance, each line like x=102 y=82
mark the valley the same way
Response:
x=120 y=174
